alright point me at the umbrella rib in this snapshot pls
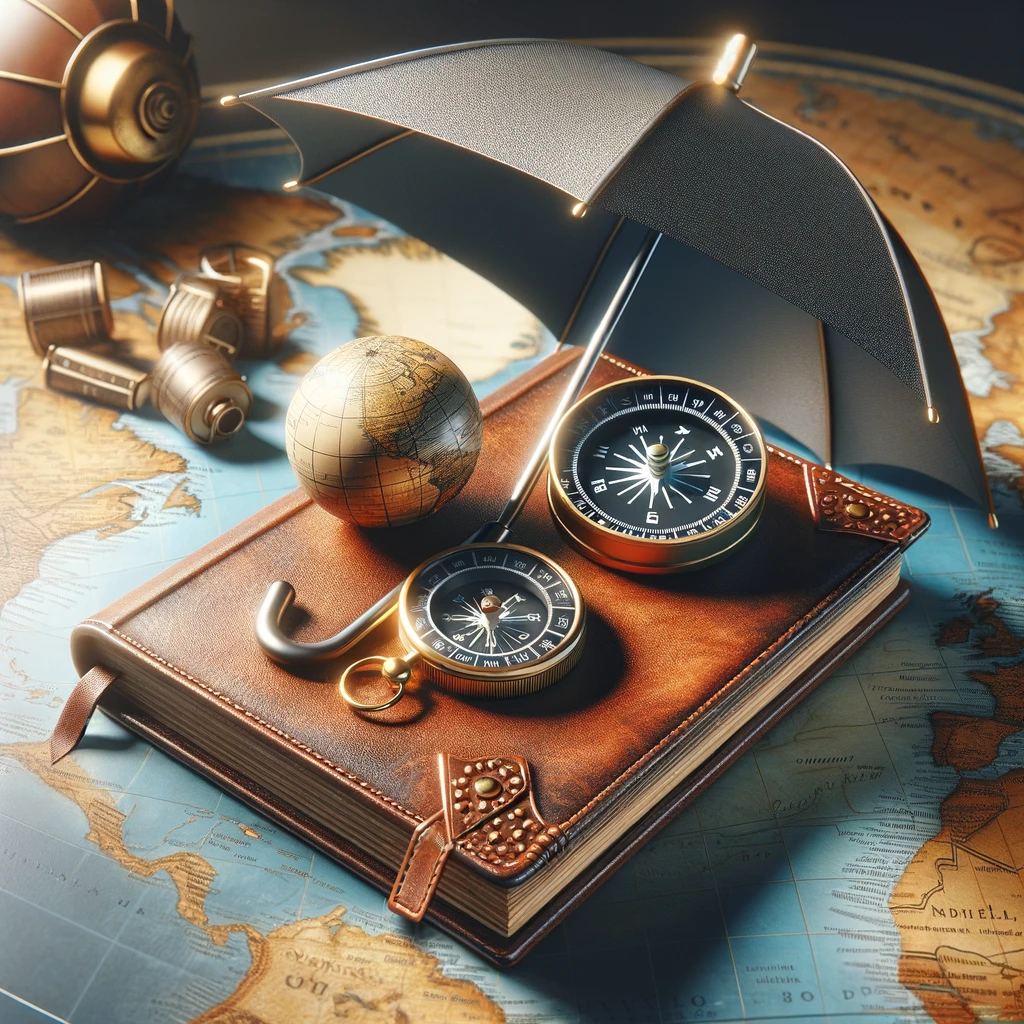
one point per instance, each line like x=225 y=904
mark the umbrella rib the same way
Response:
x=627 y=151
x=34 y=144
x=60 y=206
x=30 y=79
x=828 y=395
x=880 y=223
x=372 y=65
x=590 y=280
x=169 y=27
x=40 y=6
x=350 y=160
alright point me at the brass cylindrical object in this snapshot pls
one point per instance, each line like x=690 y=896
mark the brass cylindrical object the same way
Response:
x=246 y=276
x=95 y=95
x=130 y=103
x=89 y=375
x=196 y=311
x=65 y=305
x=200 y=392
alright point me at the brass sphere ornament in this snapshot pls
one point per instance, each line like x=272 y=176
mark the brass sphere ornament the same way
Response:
x=383 y=431
x=95 y=97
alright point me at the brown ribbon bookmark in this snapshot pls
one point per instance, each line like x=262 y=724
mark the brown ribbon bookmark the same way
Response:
x=421 y=869
x=78 y=710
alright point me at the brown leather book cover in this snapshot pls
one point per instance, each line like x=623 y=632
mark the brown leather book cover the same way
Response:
x=590 y=767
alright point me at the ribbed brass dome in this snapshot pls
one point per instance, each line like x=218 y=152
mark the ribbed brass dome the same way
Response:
x=95 y=96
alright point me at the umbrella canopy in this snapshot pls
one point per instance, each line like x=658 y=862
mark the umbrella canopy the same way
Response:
x=779 y=280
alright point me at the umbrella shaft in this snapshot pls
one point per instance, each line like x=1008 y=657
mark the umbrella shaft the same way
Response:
x=281 y=595
x=584 y=366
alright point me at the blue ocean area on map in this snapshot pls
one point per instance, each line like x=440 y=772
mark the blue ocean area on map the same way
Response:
x=768 y=899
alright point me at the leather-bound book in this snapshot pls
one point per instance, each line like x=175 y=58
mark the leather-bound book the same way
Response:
x=680 y=674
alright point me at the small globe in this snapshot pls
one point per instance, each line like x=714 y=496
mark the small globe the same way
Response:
x=383 y=431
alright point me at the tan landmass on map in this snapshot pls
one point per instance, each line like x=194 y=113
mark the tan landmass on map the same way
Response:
x=420 y=293
x=61 y=462
x=959 y=906
x=967 y=743
x=190 y=873
x=1004 y=403
x=322 y=969
x=64 y=470
x=191 y=214
x=316 y=969
x=997 y=640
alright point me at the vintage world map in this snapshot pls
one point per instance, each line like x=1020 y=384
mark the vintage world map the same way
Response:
x=864 y=860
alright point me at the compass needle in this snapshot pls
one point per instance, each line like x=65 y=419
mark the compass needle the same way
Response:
x=639 y=483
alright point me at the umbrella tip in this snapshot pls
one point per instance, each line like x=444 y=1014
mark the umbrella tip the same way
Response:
x=288 y=186
x=993 y=521
x=228 y=101
x=933 y=414
x=579 y=210
x=735 y=62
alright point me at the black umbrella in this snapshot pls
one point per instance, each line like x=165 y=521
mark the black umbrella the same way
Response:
x=778 y=280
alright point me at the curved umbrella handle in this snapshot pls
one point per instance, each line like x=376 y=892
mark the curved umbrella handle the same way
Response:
x=279 y=647
x=280 y=595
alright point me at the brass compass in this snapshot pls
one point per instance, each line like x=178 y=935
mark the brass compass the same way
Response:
x=483 y=620
x=656 y=475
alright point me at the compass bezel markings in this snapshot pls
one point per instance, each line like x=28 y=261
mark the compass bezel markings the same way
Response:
x=540 y=578
x=611 y=407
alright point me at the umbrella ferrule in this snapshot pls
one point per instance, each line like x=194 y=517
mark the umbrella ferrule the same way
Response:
x=735 y=62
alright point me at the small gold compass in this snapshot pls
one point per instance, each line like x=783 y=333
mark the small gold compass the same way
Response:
x=484 y=620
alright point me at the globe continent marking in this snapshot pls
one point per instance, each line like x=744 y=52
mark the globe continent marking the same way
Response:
x=383 y=431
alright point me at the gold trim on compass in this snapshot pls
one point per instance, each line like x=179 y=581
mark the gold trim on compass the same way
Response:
x=639 y=554
x=497 y=681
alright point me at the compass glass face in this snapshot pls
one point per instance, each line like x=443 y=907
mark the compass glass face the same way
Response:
x=660 y=459
x=491 y=607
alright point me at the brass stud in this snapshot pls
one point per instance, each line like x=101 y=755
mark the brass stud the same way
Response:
x=486 y=786
x=858 y=510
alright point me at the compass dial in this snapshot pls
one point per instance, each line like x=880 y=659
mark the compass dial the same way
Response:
x=494 y=614
x=656 y=475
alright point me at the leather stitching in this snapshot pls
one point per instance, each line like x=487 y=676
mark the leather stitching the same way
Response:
x=429 y=889
x=731 y=684
x=624 y=775
x=362 y=783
